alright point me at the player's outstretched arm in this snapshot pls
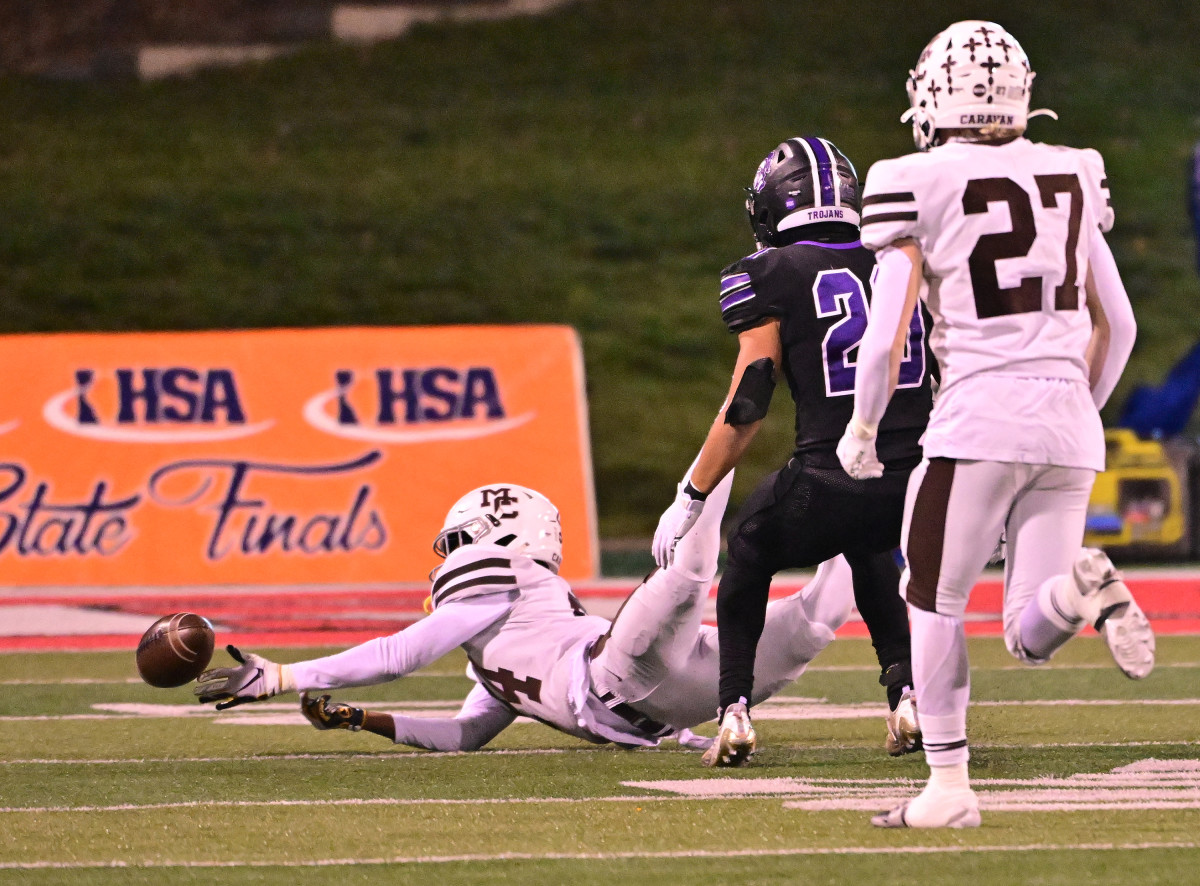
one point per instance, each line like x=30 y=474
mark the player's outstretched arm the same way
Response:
x=376 y=661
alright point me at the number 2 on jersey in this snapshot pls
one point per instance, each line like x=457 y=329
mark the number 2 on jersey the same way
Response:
x=840 y=293
x=1026 y=297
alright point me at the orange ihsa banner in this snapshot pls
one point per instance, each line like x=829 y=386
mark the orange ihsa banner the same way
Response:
x=279 y=457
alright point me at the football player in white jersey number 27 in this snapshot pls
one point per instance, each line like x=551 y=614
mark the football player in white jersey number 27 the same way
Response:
x=1003 y=240
x=649 y=674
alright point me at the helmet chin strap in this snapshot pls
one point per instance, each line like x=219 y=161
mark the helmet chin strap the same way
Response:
x=1041 y=112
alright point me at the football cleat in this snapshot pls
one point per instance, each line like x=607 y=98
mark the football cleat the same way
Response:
x=1104 y=601
x=904 y=731
x=736 y=740
x=933 y=809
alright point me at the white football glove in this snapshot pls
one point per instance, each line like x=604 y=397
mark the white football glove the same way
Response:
x=856 y=452
x=254 y=679
x=325 y=713
x=675 y=523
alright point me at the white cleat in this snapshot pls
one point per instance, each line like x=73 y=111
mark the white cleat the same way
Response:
x=736 y=740
x=1106 y=604
x=933 y=809
x=904 y=731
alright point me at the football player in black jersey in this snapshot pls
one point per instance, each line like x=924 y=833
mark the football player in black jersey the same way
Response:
x=799 y=306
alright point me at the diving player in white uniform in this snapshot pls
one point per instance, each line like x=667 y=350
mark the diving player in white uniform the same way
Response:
x=648 y=674
x=1002 y=238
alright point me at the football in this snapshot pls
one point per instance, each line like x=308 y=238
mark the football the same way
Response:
x=175 y=649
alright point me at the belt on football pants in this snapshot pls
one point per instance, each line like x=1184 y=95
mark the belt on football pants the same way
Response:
x=634 y=717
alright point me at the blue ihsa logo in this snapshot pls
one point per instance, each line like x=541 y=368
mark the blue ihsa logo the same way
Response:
x=153 y=404
x=412 y=405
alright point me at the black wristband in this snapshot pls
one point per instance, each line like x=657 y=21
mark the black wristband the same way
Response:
x=692 y=492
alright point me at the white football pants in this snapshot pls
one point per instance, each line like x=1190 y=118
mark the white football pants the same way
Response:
x=955 y=512
x=661 y=658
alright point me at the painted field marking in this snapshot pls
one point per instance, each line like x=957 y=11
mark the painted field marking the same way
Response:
x=780 y=708
x=404 y=753
x=602 y=856
x=271 y=713
x=129 y=681
x=1146 y=784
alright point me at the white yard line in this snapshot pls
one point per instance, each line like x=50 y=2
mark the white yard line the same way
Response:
x=382 y=755
x=603 y=856
x=787 y=708
x=123 y=681
x=812 y=669
x=347 y=801
x=523 y=752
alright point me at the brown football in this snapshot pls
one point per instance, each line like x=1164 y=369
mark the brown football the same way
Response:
x=175 y=649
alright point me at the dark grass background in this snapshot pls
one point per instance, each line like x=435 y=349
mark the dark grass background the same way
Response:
x=584 y=167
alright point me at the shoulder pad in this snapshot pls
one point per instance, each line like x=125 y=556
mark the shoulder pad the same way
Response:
x=473 y=571
x=889 y=203
x=744 y=302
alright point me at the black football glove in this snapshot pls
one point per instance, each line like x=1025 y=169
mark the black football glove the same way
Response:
x=324 y=713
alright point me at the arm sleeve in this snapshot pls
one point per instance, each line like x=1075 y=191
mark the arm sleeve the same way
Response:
x=1119 y=313
x=872 y=388
x=386 y=658
x=480 y=719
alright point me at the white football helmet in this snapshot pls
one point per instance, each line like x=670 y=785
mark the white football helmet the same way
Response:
x=505 y=514
x=973 y=75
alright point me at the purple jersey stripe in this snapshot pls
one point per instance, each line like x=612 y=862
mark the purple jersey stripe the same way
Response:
x=854 y=245
x=736 y=298
x=733 y=281
x=825 y=170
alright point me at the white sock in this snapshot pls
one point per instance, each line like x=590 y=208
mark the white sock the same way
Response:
x=1049 y=620
x=942 y=680
x=951 y=778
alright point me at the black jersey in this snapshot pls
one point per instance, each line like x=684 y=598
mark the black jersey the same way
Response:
x=820 y=293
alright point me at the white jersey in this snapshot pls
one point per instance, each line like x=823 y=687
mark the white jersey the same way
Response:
x=528 y=641
x=1003 y=230
x=534 y=658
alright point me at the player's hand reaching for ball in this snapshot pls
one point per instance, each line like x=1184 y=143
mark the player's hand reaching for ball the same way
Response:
x=254 y=679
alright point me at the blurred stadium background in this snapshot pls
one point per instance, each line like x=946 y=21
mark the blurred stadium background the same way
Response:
x=581 y=166
x=253 y=164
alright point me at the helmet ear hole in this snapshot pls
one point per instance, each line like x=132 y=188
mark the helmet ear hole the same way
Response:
x=506 y=540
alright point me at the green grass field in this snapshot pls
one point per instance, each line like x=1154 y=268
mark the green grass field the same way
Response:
x=101 y=781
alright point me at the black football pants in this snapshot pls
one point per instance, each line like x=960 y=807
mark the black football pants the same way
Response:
x=799 y=517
